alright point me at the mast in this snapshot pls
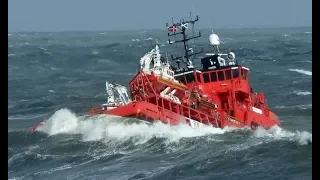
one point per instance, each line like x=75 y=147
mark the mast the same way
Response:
x=180 y=28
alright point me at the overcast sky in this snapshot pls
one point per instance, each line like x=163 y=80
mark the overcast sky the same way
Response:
x=70 y=15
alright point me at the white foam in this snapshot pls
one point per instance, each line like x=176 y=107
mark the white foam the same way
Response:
x=42 y=48
x=301 y=106
x=95 y=52
x=302 y=93
x=59 y=168
x=110 y=128
x=148 y=39
x=303 y=137
x=137 y=40
x=16 y=178
x=116 y=128
x=309 y=73
x=62 y=121
x=277 y=133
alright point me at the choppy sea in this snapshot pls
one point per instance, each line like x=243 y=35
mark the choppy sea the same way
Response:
x=59 y=76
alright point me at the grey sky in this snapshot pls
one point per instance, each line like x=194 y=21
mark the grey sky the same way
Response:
x=68 y=15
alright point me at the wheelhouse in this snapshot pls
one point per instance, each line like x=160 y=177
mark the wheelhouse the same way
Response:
x=225 y=74
x=192 y=76
x=215 y=75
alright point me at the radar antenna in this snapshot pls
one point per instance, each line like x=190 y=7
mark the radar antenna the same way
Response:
x=180 y=28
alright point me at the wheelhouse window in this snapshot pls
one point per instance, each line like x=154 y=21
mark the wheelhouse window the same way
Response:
x=198 y=77
x=213 y=76
x=180 y=78
x=228 y=74
x=235 y=73
x=190 y=77
x=220 y=75
x=244 y=74
x=206 y=77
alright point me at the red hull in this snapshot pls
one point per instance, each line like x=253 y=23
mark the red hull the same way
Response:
x=142 y=110
x=34 y=128
x=181 y=114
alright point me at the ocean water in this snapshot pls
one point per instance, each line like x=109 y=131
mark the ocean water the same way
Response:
x=59 y=76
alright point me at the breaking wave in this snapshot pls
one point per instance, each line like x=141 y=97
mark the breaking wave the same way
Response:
x=109 y=128
x=301 y=106
x=278 y=133
x=117 y=128
x=302 y=93
x=309 y=73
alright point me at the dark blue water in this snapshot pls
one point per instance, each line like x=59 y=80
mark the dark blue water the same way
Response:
x=59 y=76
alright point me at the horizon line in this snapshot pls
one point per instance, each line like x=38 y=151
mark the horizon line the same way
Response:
x=151 y=29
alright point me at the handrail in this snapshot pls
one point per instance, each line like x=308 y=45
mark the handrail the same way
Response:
x=183 y=109
x=181 y=106
x=134 y=78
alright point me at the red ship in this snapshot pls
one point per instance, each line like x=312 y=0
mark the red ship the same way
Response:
x=217 y=95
